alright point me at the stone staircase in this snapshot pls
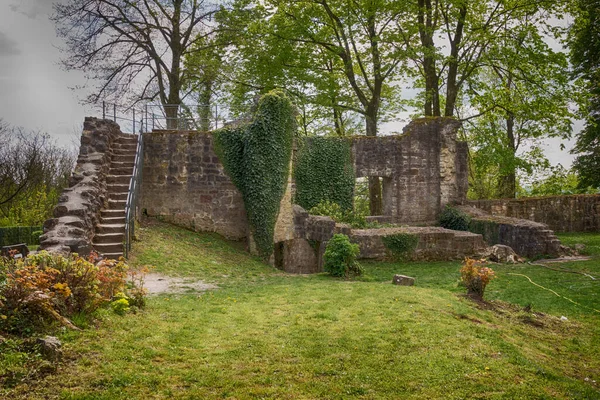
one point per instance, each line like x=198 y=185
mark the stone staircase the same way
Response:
x=110 y=232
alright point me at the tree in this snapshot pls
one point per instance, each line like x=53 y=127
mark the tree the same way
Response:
x=521 y=94
x=354 y=41
x=448 y=42
x=585 y=56
x=133 y=48
x=33 y=171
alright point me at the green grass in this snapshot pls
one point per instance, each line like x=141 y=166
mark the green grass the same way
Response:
x=265 y=334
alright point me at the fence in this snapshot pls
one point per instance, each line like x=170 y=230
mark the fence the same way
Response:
x=20 y=234
x=158 y=117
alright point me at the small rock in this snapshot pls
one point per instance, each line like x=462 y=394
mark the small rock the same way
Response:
x=403 y=280
x=579 y=247
x=563 y=318
x=50 y=347
x=502 y=254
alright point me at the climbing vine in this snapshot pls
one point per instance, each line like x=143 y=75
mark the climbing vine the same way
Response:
x=257 y=156
x=323 y=171
x=400 y=244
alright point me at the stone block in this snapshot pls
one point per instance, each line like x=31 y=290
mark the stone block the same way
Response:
x=403 y=280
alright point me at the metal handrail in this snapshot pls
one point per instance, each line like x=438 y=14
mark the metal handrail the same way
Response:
x=131 y=206
x=154 y=117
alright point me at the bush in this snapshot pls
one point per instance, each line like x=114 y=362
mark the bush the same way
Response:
x=335 y=211
x=340 y=257
x=454 y=219
x=475 y=276
x=46 y=288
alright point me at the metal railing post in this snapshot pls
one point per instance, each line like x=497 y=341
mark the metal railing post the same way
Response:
x=115 y=112
x=103 y=110
x=133 y=121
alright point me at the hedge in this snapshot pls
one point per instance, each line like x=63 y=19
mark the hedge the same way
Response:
x=10 y=235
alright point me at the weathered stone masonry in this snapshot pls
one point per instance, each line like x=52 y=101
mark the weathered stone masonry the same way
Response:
x=575 y=213
x=422 y=170
x=184 y=183
x=78 y=209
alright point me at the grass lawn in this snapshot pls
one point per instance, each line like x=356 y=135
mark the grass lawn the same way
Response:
x=265 y=334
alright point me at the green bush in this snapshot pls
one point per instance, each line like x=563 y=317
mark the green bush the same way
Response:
x=340 y=257
x=10 y=235
x=335 y=211
x=257 y=156
x=454 y=219
x=400 y=244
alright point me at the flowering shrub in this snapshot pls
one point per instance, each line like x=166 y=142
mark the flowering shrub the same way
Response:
x=475 y=276
x=44 y=288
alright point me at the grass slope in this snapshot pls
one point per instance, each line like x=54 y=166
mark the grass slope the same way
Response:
x=265 y=334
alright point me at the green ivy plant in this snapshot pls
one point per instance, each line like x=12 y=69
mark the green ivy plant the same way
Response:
x=323 y=170
x=400 y=245
x=452 y=218
x=256 y=156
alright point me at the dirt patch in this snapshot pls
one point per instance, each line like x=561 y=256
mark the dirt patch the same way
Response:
x=158 y=283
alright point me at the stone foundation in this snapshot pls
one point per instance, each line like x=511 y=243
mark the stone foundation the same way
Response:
x=527 y=238
x=576 y=213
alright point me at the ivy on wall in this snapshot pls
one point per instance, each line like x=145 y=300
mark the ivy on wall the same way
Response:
x=256 y=156
x=323 y=171
x=400 y=245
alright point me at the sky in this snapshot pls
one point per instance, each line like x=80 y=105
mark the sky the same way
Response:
x=35 y=92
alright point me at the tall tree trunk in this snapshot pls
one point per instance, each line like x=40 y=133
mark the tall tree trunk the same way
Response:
x=452 y=86
x=507 y=185
x=205 y=107
x=432 y=93
x=375 y=200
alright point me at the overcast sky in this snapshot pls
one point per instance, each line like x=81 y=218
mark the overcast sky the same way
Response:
x=35 y=92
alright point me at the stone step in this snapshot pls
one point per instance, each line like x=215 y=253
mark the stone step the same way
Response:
x=125 y=147
x=127 y=139
x=113 y=256
x=123 y=158
x=129 y=164
x=120 y=179
x=120 y=170
x=116 y=204
x=113 y=220
x=104 y=238
x=117 y=188
x=124 y=152
x=110 y=228
x=118 y=196
x=112 y=213
x=108 y=248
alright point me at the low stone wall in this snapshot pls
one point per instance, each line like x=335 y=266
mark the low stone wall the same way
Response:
x=527 y=238
x=434 y=243
x=575 y=213
x=78 y=209
x=184 y=183
x=304 y=253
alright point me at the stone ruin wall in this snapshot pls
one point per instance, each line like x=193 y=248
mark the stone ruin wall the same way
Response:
x=527 y=238
x=574 y=213
x=78 y=209
x=184 y=183
x=422 y=170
